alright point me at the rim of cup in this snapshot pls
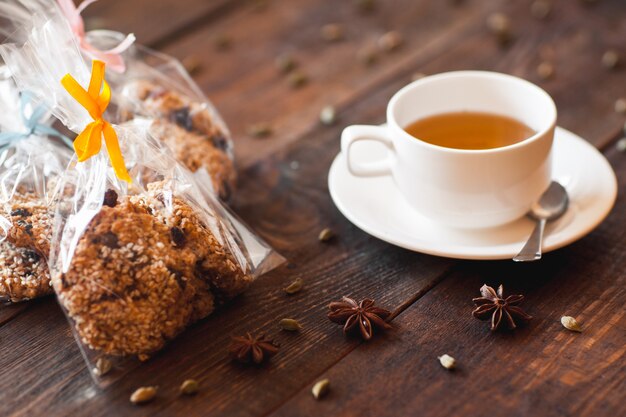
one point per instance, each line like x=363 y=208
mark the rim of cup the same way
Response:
x=391 y=117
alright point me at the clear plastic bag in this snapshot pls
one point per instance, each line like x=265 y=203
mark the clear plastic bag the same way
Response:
x=156 y=85
x=148 y=83
x=132 y=263
x=32 y=158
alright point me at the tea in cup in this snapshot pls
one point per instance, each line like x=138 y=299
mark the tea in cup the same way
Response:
x=468 y=149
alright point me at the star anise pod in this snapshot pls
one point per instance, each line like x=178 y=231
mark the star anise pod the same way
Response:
x=493 y=305
x=364 y=316
x=247 y=349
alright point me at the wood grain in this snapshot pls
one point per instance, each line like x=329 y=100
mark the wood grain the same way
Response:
x=249 y=149
x=336 y=76
x=291 y=218
x=156 y=21
x=540 y=370
x=438 y=38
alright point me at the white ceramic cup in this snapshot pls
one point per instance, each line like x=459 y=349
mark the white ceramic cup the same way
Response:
x=457 y=187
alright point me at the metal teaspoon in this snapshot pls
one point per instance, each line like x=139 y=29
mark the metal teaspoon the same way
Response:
x=551 y=205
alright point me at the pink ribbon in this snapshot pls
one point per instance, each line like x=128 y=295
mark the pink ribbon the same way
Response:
x=111 y=57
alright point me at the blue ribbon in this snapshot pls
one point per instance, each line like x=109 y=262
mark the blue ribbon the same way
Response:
x=32 y=125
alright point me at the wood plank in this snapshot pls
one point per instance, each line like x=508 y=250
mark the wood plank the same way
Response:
x=8 y=312
x=245 y=77
x=299 y=199
x=200 y=353
x=245 y=85
x=289 y=206
x=291 y=19
x=157 y=20
x=542 y=369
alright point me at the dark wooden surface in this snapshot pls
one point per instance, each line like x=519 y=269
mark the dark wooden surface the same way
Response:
x=540 y=370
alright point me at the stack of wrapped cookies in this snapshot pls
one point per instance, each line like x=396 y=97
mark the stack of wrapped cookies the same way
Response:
x=129 y=228
x=32 y=158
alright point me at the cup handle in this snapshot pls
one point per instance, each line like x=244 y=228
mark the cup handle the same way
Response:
x=356 y=133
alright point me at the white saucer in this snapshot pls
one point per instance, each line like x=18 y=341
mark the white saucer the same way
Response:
x=376 y=206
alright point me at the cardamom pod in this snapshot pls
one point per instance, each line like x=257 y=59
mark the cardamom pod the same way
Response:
x=500 y=25
x=328 y=116
x=297 y=79
x=367 y=55
x=447 y=361
x=417 y=76
x=222 y=42
x=320 y=388
x=390 y=41
x=331 y=32
x=143 y=395
x=570 y=323
x=294 y=287
x=260 y=130
x=103 y=366
x=545 y=70
x=290 y=325
x=189 y=387
x=610 y=59
x=326 y=235
x=285 y=63
x=192 y=64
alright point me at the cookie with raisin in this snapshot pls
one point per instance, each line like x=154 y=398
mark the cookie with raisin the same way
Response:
x=190 y=129
x=31 y=221
x=191 y=149
x=205 y=237
x=128 y=288
x=23 y=274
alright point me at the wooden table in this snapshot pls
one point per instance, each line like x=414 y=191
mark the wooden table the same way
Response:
x=541 y=369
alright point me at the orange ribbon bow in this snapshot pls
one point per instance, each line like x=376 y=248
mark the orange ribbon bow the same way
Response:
x=95 y=100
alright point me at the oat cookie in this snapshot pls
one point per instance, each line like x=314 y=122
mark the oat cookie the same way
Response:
x=191 y=149
x=142 y=272
x=31 y=221
x=23 y=274
x=190 y=131
x=216 y=264
x=127 y=289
